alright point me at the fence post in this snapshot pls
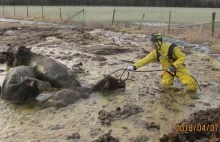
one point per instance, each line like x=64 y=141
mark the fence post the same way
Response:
x=213 y=24
x=14 y=11
x=169 y=22
x=42 y=12
x=83 y=17
x=27 y=11
x=141 y=21
x=60 y=15
x=3 y=10
x=113 y=17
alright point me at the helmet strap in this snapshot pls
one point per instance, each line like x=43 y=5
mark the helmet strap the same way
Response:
x=159 y=45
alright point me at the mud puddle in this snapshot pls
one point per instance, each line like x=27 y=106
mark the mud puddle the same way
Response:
x=80 y=121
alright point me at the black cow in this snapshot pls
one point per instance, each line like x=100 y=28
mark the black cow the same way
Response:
x=47 y=69
x=20 y=85
x=71 y=95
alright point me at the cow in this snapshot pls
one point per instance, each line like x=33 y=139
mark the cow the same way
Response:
x=47 y=69
x=21 y=85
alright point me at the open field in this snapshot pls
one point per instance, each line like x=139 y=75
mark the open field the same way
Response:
x=104 y=14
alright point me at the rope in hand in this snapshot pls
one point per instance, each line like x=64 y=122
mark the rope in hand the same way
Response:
x=124 y=70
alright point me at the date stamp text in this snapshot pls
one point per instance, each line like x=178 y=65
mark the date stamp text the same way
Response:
x=197 y=127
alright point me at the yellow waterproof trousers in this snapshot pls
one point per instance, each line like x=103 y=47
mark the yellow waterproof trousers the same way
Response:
x=167 y=79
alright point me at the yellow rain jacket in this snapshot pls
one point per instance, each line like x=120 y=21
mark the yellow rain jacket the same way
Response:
x=167 y=79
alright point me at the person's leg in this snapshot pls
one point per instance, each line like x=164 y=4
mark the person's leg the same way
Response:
x=167 y=80
x=187 y=79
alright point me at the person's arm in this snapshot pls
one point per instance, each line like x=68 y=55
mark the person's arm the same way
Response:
x=180 y=56
x=152 y=56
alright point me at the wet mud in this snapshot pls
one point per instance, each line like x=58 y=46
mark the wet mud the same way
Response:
x=106 y=118
x=74 y=136
x=106 y=138
x=106 y=50
x=142 y=111
x=202 y=125
x=139 y=139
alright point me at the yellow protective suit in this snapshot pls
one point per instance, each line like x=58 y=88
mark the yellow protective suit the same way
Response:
x=167 y=79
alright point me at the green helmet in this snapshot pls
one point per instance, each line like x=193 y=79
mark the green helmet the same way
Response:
x=155 y=37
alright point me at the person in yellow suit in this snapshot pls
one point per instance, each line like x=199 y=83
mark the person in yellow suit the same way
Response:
x=172 y=60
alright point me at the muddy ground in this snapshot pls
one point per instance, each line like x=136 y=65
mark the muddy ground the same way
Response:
x=143 y=112
x=200 y=126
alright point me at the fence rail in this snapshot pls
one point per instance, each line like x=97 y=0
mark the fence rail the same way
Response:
x=76 y=14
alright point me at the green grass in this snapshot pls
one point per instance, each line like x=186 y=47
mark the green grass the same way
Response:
x=131 y=14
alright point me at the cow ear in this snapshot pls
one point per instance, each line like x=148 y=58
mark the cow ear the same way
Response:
x=29 y=48
x=21 y=49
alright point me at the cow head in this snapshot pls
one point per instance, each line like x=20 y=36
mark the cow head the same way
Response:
x=22 y=54
x=109 y=83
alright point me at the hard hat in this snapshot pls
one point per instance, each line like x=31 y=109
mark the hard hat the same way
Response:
x=155 y=37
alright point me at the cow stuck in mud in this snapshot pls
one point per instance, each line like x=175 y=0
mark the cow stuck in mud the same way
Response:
x=71 y=95
x=22 y=81
x=47 y=69
x=20 y=85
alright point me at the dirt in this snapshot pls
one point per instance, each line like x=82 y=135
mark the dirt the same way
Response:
x=151 y=112
x=139 y=139
x=106 y=49
x=205 y=126
x=215 y=49
x=106 y=138
x=106 y=118
x=74 y=136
